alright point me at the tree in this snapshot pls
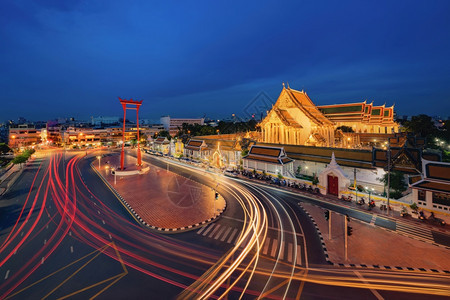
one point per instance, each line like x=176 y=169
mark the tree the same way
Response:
x=4 y=148
x=345 y=128
x=397 y=183
x=421 y=125
x=19 y=159
x=299 y=169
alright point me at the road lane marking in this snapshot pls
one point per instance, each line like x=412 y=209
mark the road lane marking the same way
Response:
x=219 y=232
x=214 y=230
x=98 y=211
x=289 y=252
x=270 y=227
x=103 y=222
x=226 y=234
x=274 y=247
x=110 y=237
x=42 y=261
x=71 y=249
x=70 y=233
x=201 y=229
x=21 y=234
x=232 y=236
x=7 y=274
x=46 y=227
x=282 y=250
x=375 y=292
x=266 y=246
x=299 y=255
x=207 y=230
x=15 y=252
x=45 y=242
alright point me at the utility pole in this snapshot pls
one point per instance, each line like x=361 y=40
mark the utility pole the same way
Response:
x=329 y=227
x=347 y=233
x=389 y=176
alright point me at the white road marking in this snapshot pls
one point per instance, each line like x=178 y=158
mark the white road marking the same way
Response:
x=46 y=226
x=201 y=229
x=21 y=234
x=225 y=234
x=70 y=233
x=110 y=237
x=274 y=247
x=289 y=252
x=282 y=250
x=45 y=242
x=98 y=211
x=230 y=239
x=266 y=246
x=219 y=233
x=299 y=255
x=71 y=249
x=214 y=230
x=375 y=292
x=209 y=228
x=103 y=222
x=42 y=261
x=7 y=274
x=15 y=252
x=270 y=227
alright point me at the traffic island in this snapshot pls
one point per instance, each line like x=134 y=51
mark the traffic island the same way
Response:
x=161 y=199
x=372 y=247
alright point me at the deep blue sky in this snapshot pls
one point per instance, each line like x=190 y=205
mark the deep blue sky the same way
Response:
x=188 y=58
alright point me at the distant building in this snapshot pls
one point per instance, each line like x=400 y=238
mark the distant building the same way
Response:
x=433 y=191
x=173 y=125
x=104 y=120
x=23 y=135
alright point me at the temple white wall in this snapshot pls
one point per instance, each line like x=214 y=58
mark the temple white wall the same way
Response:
x=364 y=177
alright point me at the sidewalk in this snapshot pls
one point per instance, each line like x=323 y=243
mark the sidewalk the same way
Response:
x=161 y=198
x=371 y=245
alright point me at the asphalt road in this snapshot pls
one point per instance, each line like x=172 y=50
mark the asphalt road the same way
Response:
x=64 y=234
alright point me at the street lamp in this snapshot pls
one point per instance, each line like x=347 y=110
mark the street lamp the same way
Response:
x=98 y=157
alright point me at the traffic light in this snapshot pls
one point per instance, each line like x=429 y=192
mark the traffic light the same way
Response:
x=217 y=196
x=327 y=215
x=348 y=218
x=349 y=230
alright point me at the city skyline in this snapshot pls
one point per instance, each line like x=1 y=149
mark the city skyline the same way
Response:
x=79 y=57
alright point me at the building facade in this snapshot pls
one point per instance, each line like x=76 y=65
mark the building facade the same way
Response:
x=23 y=136
x=433 y=191
x=173 y=125
x=295 y=120
x=270 y=160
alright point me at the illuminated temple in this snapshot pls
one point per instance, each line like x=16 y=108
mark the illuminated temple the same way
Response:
x=294 y=119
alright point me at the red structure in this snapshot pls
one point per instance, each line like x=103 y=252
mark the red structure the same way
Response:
x=131 y=105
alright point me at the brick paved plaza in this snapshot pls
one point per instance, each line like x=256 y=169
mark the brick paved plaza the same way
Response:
x=160 y=197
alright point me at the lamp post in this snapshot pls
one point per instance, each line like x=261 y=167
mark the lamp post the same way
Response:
x=99 y=157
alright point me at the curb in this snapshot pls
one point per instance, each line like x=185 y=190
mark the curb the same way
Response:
x=366 y=266
x=324 y=247
x=159 y=229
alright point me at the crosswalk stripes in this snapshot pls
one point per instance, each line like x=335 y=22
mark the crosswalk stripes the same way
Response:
x=415 y=231
x=271 y=247
x=266 y=246
x=230 y=239
x=220 y=233
x=209 y=228
x=225 y=234
x=214 y=230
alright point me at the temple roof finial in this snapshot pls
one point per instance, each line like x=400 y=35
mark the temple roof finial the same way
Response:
x=288 y=84
x=283 y=85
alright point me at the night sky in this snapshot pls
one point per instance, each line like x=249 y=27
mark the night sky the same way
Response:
x=190 y=58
